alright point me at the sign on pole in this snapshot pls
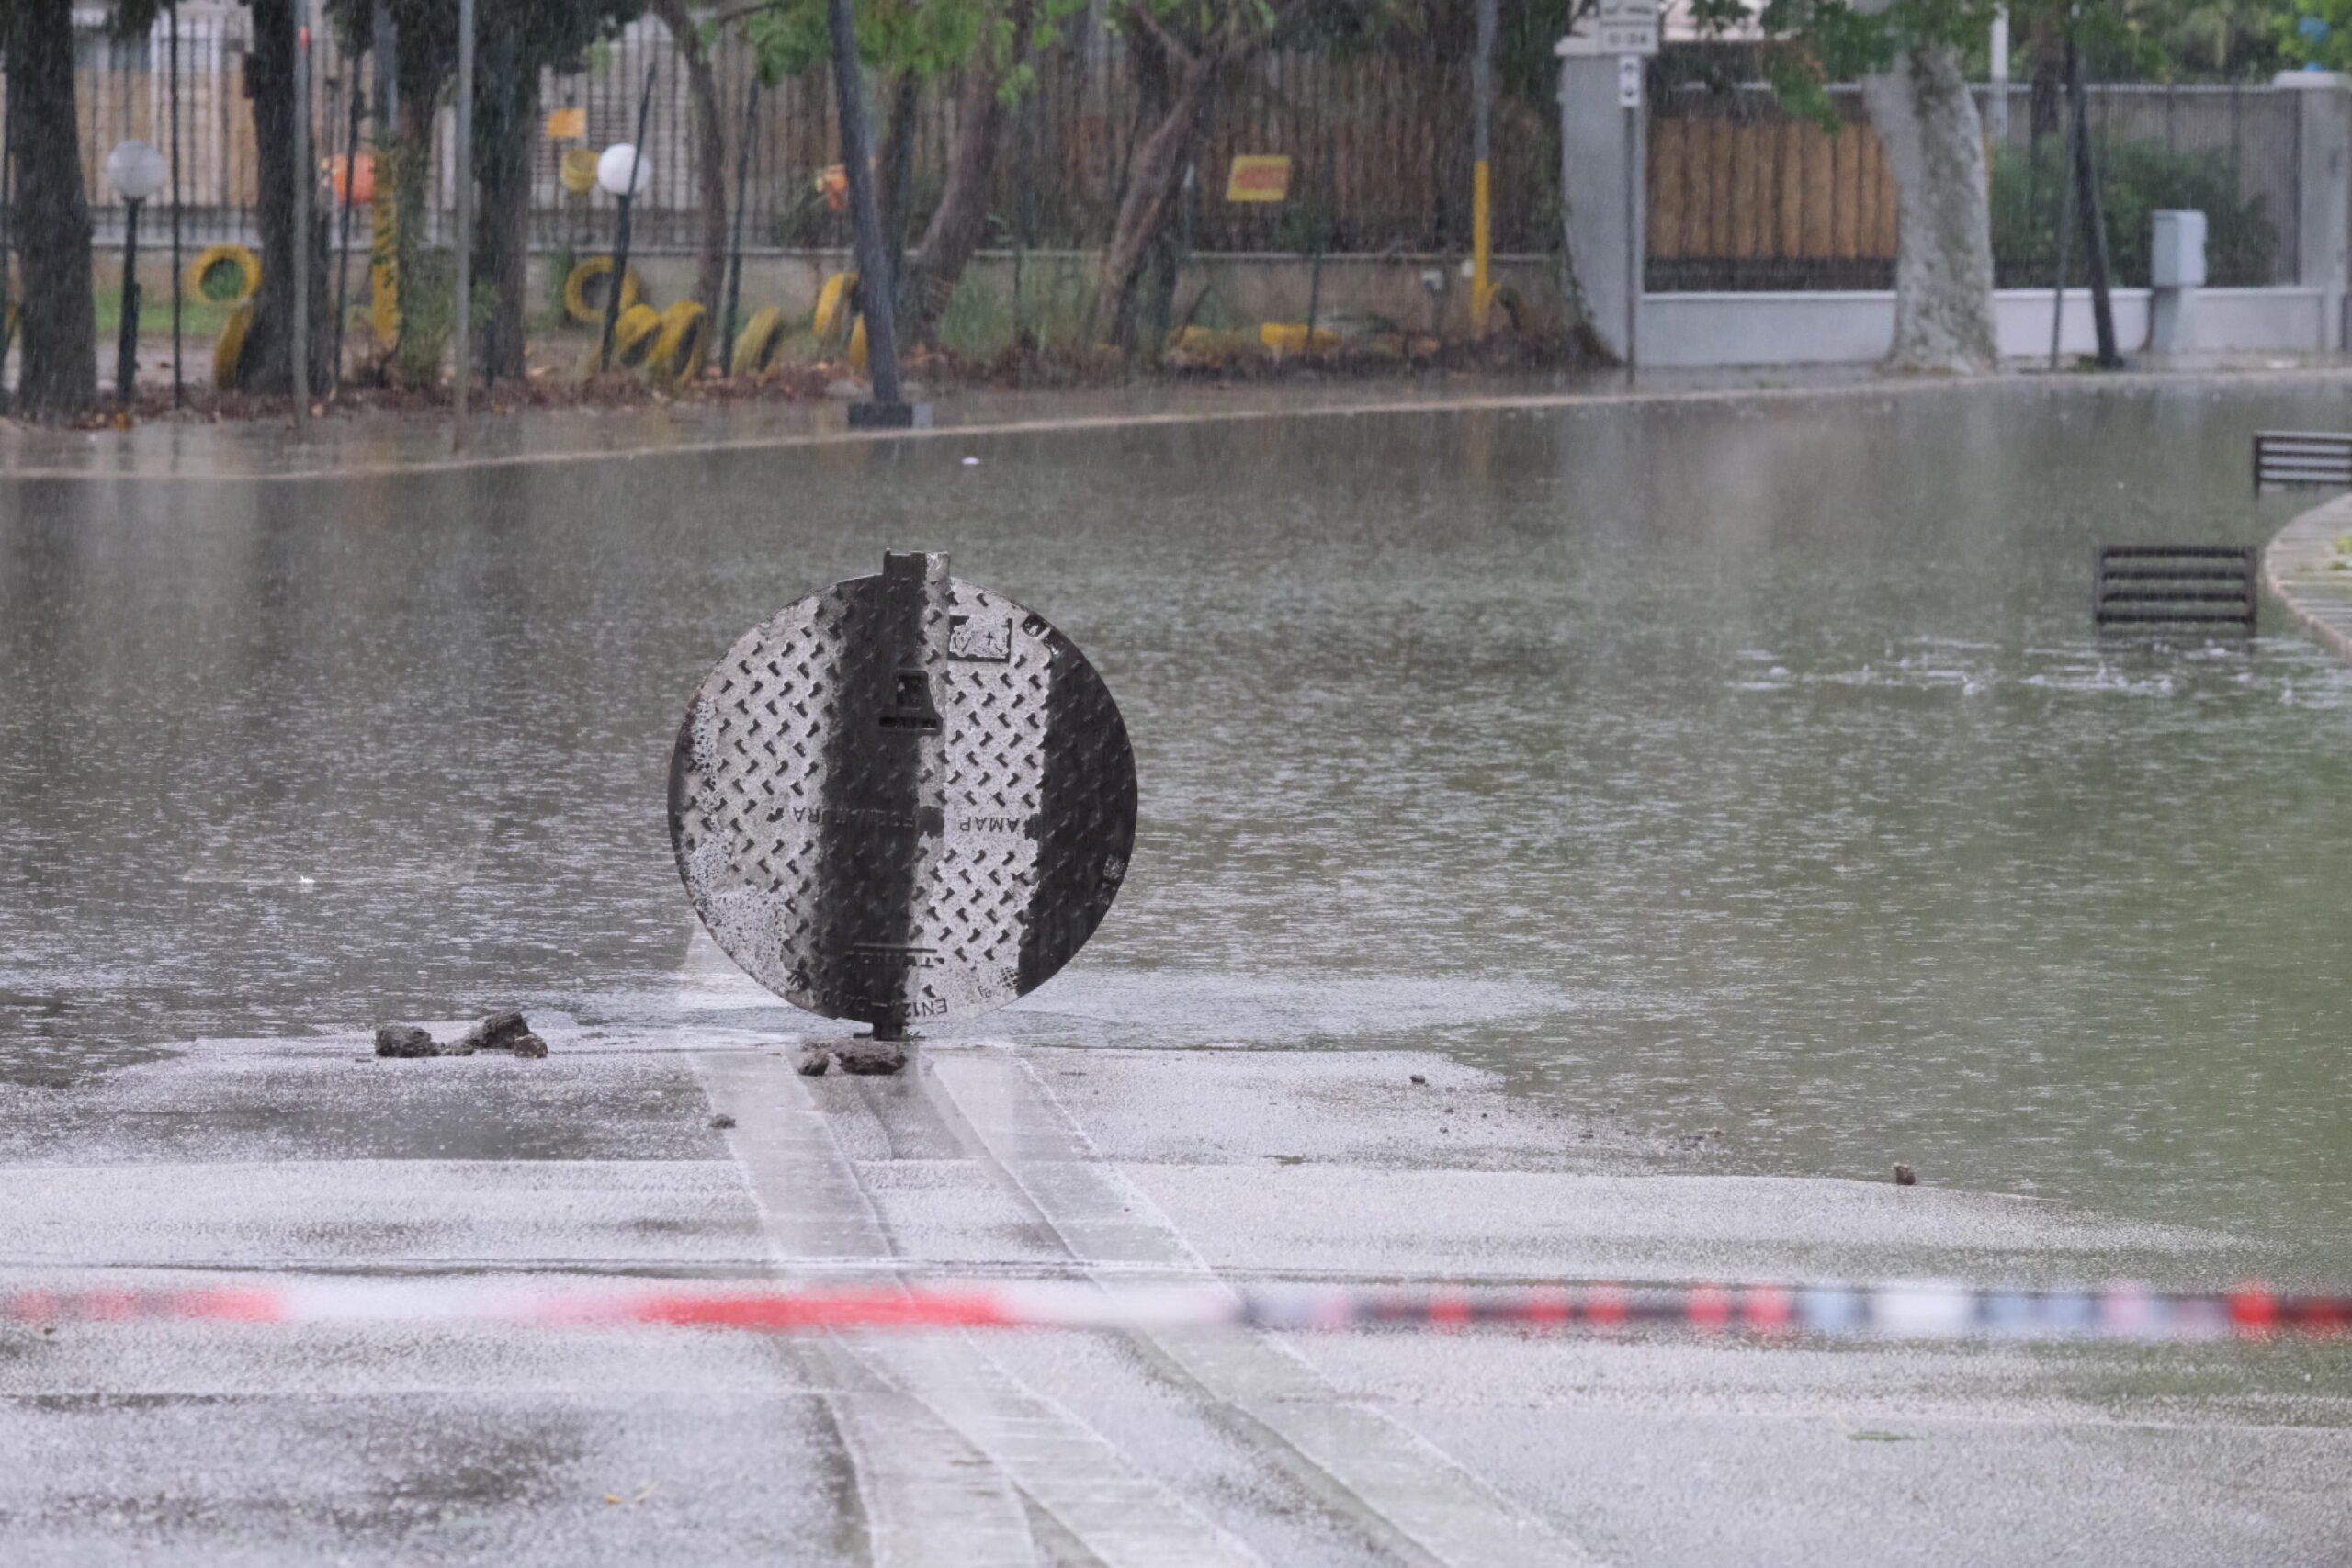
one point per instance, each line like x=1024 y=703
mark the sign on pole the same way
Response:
x=1620 y=26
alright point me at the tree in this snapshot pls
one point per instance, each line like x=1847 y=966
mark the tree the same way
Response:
x=911 y=45
x=2318 y=32
x=515 y=41
x=1943 y=262
x=710 y=152
x=1909 y=54
x=960 y=219
x=51 y=221
x=268 y=362
x=1195 y=43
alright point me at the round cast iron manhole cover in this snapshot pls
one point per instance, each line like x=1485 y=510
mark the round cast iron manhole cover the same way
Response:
x=903 y=799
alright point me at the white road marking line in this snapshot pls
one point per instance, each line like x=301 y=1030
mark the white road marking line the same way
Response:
x=818 y=1210
x=1401 y=1488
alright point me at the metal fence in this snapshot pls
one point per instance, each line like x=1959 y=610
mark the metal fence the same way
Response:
x=1744 y=195
x=1380 y=144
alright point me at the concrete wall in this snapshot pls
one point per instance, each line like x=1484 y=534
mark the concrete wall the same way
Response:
x=1754 y=329
x=1420 y=293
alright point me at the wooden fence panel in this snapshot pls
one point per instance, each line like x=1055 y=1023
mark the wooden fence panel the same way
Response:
x=1771 y=190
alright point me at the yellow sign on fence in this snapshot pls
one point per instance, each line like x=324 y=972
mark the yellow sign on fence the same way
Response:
x=567 y=125
x=1258 y=176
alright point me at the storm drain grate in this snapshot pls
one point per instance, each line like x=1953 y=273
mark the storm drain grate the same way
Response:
x=2289 y=458
x=2145 y=586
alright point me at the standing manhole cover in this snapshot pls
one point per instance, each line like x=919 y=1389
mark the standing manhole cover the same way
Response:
x=904 y=798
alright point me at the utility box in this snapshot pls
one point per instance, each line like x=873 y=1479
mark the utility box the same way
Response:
x=2176 y=251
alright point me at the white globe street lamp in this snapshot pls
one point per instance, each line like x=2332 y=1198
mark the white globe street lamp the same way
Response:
x=137 y=171
x=622 y=172
x=625 y=173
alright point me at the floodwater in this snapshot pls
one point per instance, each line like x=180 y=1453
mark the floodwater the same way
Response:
x=1740 y=767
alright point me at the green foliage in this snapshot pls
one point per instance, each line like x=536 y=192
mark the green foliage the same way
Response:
x=2137 y=177
x=801 y=220
x=554 y=35
x=981 y=320
x=1821 y=42
x=1306 y=223
x=2318 y=32
x=429 y=316
x=929 y=38
x=560 y=262
x=199 y=318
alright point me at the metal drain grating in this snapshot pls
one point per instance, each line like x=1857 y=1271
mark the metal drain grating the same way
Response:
x=2142 y=587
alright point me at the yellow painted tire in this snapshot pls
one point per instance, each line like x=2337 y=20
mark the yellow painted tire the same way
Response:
x=758 y=343
x=228 y=349
x=583 y=290
x=1290 y=337
x=832 y=306
x=634 y=336
x=683 y=344
x=226 y=267
x=578 y=170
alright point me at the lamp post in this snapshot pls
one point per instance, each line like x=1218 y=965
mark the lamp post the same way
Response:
x=625 y=177
x=876 y=290
x=137 y=171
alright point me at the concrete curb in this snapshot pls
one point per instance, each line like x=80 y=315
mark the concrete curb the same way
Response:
x=2310 y=575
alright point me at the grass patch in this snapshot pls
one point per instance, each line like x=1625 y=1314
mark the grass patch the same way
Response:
x=199 y=318
x=982 y=322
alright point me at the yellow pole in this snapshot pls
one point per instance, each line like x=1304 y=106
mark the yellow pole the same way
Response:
x=1482 y=245
x=1482 y=205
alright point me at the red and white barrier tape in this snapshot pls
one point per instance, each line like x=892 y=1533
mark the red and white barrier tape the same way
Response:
x=1923 y=1311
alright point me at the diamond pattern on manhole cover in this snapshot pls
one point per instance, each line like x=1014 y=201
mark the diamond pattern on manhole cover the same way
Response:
x=904 y=798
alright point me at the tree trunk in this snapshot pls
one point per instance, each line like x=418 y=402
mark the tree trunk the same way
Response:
x=404 y=166
x=894 y=168
x=59 y=373
x=2047 y=71
x=1943 y=269
x=1155 y=175
x=268 y=364
x=503 y=253
x=960 y=221
x=710 y=153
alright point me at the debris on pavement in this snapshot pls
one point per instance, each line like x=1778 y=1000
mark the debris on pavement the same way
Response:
x=501 y=1031
x=404 y=1040
x=870 y=1058
x=814 y=1060
x=506 y=1031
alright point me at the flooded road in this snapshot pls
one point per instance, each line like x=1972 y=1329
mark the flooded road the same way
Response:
x=1714 y=767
